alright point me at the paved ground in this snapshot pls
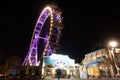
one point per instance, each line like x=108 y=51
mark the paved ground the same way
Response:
x=61 y=79
x=2 y=78
x=82 y=79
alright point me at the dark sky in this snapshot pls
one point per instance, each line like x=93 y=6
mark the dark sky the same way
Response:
x=88 y=25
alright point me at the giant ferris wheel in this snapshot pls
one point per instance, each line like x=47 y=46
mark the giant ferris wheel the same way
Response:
x=46 y=35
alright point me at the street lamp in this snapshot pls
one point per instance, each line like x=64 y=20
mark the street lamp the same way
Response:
x=113 y=44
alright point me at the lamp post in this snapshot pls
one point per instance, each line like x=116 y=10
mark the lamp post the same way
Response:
x=113 y=44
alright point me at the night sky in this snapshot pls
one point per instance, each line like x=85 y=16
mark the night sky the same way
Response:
x=88 y=25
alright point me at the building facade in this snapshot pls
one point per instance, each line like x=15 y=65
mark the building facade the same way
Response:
x=59 y=65
x=102 y=63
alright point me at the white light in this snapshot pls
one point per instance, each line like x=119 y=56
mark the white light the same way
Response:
x=113 y=44
x=100 y=67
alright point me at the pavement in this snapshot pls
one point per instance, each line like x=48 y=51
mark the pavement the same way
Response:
x=61 y=79
x=81 y=79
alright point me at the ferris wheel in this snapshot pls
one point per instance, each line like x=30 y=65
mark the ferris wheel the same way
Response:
x=46 y=35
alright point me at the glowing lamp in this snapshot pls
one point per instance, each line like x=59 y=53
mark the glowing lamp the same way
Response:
x=113 y=43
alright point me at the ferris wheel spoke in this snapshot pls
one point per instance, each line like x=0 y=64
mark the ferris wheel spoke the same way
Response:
x=43 y=38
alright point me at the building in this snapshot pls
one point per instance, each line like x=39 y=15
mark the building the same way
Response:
x=58 y=65
x=101 y=63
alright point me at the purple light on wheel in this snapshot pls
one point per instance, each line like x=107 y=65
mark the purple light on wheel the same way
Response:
x=40 y=40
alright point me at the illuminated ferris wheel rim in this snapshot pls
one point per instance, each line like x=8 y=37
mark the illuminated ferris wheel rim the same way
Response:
x=49 y=10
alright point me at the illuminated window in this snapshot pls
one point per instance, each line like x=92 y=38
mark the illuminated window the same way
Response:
x=99 y=55
x=93 y=56
x=88 y=58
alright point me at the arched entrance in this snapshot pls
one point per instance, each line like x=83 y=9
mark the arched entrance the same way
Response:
x=48 y=71
x=61 y=73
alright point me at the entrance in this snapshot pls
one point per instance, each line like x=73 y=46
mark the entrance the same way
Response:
x=61 y=73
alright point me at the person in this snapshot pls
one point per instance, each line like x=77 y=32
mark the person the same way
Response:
x=14 y=73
